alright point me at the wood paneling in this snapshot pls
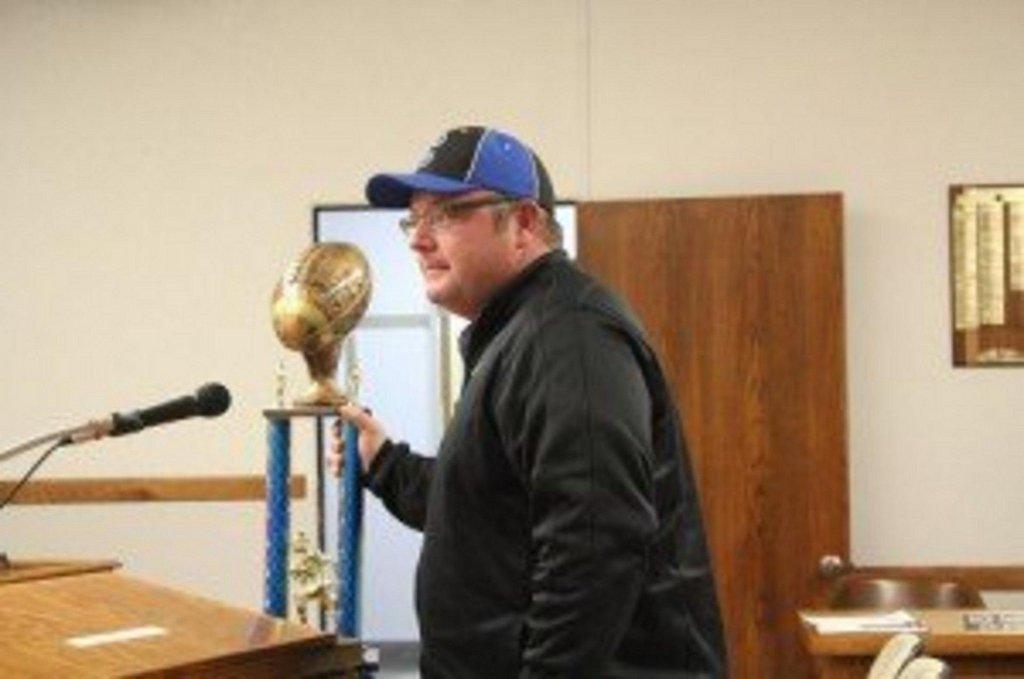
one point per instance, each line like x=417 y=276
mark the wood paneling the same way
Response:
x=147 y=489
x=743 y=300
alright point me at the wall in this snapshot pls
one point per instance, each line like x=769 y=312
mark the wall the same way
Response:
x=160 y=161
x=889 y=103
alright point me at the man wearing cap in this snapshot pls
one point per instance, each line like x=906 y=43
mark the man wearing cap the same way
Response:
x=561 y=524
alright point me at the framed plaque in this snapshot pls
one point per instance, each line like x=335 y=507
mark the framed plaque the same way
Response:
x=986 y=235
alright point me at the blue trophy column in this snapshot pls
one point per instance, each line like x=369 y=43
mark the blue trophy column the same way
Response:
x=275 y=591
x=350 y=529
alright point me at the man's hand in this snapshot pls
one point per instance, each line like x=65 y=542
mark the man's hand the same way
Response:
x=371 y=437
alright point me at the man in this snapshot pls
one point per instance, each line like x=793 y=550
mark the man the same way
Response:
x=562 y=531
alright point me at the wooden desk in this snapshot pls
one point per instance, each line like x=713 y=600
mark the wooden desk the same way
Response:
x=201 y=638
x=992 y=654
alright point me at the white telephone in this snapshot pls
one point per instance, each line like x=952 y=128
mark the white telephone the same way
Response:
x=895 y=654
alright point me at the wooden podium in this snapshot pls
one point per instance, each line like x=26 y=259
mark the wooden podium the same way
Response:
x=84 y=620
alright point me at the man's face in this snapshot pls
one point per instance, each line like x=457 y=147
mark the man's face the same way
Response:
x=466 y=256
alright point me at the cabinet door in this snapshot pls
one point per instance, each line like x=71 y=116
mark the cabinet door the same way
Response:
x=743 y=299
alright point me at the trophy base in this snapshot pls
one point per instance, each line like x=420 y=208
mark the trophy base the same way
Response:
x=294 y=411
x=322 y=394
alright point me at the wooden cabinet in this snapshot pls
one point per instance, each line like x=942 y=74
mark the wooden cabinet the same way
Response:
x=743 y=299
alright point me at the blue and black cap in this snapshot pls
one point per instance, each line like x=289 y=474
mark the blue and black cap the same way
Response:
x=468 y=159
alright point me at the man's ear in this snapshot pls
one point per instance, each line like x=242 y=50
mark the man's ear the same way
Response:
x=526 y=217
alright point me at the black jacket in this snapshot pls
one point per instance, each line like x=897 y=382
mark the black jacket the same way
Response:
x=562 y=531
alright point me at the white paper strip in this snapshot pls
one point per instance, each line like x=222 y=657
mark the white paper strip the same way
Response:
x=116 y=636
x=897 y=621
x=1016 y=227
x=965 y=265
x=991 y=263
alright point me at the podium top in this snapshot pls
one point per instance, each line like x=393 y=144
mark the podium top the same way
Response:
x=106 y=624
x=23 y=571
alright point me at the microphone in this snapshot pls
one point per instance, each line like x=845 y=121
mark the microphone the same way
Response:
x=210 y=400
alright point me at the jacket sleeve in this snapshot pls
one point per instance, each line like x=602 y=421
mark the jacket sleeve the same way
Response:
x=401 y=479
x=584 y=450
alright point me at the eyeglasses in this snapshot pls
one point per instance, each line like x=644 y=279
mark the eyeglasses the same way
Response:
x=442 y=214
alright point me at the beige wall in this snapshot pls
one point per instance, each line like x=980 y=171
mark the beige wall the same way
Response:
x=159 y=162
x=889 y=102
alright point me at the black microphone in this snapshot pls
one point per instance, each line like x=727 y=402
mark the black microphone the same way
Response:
x=210 y=400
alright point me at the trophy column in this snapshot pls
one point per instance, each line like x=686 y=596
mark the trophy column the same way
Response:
x=278 y=518
x=350 y=537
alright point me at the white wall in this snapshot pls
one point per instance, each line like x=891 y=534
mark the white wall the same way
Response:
x=889 y=102
x=160 y=159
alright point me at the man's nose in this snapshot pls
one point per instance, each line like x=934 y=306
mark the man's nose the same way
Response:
x=420 y=238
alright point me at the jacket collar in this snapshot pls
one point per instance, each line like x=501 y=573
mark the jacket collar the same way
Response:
x=500 y=308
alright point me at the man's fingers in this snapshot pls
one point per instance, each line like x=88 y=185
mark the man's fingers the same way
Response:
x=357 y=415
x=371 y=432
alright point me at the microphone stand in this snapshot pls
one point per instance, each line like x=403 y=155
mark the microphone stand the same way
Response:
x=63 y=438
x=72 y=434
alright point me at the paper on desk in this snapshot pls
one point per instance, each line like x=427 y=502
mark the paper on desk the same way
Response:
x=896 y=621
x=116 y=636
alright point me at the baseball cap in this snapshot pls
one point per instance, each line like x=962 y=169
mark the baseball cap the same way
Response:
x=466 y=159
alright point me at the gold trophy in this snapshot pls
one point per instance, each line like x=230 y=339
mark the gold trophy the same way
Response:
x=311 y=576
x=319 y=299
